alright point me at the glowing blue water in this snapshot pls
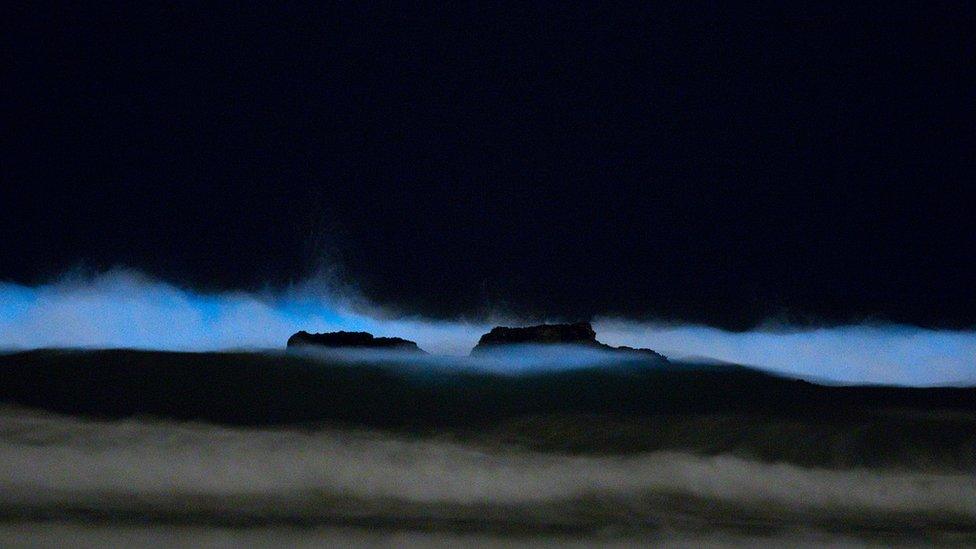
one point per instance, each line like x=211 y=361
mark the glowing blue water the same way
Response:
x=126 y=309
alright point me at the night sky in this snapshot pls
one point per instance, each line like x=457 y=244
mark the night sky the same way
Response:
x=725 y=169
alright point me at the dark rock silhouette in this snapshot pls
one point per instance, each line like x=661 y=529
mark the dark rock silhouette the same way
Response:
x=351 y=340
x=578 y=333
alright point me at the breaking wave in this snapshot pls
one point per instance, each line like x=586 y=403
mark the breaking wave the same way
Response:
x=124 y=308
x=62 y=468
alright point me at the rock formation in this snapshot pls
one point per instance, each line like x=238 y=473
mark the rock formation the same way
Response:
x=351 y=340
x=578 y=333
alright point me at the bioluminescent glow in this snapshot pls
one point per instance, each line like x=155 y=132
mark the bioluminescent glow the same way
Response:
x=126 y=309
x=883 y=353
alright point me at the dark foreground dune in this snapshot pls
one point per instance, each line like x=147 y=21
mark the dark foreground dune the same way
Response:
x=120 y=446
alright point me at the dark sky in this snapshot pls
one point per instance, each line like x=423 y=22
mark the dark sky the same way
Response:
x=694 y=164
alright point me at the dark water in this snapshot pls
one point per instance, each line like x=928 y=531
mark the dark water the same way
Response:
x=135 y=448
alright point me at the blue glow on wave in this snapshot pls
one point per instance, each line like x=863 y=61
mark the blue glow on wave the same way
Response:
x=126 y=309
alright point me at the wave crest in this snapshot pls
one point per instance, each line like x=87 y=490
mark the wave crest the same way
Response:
x=184 y=472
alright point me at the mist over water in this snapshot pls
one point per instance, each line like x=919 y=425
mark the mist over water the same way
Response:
x=126 y=309
x=139 y=472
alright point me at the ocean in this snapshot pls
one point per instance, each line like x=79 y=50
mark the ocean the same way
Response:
x=125 y=447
